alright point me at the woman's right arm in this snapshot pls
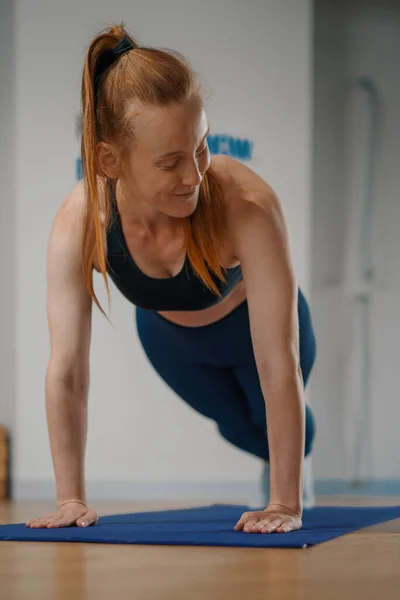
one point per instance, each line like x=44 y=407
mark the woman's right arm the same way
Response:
x=69 y=309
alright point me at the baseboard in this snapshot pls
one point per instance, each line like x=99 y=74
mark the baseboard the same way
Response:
x=206 y=491
x=372 y=487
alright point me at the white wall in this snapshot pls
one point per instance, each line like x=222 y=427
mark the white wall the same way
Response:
x=355 y=39
x=256 y=58
x=326 y=248
x=7 y=217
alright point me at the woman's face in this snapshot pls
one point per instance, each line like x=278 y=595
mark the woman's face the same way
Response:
x=168 y=161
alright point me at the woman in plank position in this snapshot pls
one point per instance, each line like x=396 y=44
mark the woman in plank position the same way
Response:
x=200 y=246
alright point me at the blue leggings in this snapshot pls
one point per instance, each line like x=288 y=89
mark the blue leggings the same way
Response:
x=213 y=369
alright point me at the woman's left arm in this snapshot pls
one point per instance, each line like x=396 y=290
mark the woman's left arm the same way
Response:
x=259 y=233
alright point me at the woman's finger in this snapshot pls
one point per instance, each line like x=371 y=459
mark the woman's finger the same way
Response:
x=285 y=527
x=43 y=519
x=43 y=522
x=38 y=524
x=89 y=518
x=273 y=526
x=53 y=523
x=31 y=522
x=93 y=517
x=243 y=519
x=265 y=522
x=65 y=521
x=251 y=524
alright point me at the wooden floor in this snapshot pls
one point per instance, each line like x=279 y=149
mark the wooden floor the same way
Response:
x=362 y=565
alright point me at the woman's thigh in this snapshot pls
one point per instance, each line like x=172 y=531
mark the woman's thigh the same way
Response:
x=213 y=367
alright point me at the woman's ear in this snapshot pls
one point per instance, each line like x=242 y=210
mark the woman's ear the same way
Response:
x=109 y=160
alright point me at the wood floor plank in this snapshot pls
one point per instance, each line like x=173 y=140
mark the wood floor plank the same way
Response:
x=363 y=564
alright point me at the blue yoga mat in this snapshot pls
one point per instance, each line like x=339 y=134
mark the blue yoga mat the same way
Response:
x=207 y=526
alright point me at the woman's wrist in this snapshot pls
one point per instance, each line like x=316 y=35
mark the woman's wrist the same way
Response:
x=61 y=503
x=295 y=509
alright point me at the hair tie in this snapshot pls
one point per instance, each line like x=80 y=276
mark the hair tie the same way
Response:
x=108 y=57
x=123 y=46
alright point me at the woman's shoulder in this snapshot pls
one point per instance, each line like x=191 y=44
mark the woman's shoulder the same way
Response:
x=71 y=210
x=74 y=207
x=70 y=220
x=242 y=187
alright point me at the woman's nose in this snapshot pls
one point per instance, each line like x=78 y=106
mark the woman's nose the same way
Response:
x=192 y=176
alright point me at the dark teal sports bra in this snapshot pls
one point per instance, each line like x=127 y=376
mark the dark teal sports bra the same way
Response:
x=184 y=291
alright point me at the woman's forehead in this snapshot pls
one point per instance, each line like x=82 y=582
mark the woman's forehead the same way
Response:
x=158 y=129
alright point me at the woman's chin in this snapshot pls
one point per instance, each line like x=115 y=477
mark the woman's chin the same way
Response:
x=186 y=206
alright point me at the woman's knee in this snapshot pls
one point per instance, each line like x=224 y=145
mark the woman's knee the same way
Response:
x=255 y=440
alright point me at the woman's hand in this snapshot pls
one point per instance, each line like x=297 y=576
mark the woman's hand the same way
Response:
x=275 y=517
x=71 y=513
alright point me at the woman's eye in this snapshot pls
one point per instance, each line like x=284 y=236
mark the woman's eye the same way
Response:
x=170 y=167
